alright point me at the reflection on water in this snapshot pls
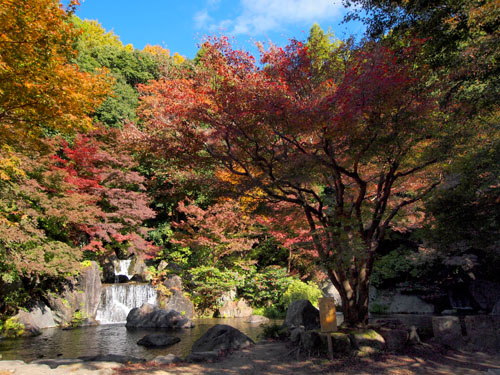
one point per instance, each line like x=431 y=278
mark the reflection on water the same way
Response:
x=111 y=339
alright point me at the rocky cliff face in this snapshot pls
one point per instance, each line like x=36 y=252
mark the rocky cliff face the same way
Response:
x=75 y=305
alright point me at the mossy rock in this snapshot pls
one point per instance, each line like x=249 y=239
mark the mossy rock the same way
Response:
x=367 y=338
x=341 y=343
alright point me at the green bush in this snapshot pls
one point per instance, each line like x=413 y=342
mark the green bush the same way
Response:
x=207 y=285
x=298 y=290
x=265 y=288
x=11 y=328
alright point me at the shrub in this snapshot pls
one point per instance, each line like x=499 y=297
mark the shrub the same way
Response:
x=11 y=327
x=208 y=284
x=298 y=290
x=265 y=288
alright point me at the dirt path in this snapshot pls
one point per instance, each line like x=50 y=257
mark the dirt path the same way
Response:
x=274 y=358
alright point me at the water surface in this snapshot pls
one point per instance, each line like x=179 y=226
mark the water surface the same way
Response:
x=111 y=339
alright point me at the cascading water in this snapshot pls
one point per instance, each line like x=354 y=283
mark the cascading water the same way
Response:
x=118 y=299
x=122 y=269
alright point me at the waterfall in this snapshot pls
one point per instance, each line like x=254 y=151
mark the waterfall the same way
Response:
x=118 y=299
x=122 y=269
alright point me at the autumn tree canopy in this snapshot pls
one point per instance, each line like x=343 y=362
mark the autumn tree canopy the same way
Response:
x=40 y=90
x=352 y=151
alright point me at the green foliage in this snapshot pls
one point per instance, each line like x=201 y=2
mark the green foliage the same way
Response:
x=401 y=265
x=378 y=308
x=298 y=290
x=100 y=49
x=271 y=312
x=208 y=284
x=265 y=288
x=77 y=319
x=11 y=327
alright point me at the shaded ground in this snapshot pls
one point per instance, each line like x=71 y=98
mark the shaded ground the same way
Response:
x=276 y=358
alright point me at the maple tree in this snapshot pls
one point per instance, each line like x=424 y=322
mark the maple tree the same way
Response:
x=215 y=233
x=40 y=89
x=99 y=164
x=352 y=151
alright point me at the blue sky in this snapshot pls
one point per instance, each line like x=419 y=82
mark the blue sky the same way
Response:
x=180 y=26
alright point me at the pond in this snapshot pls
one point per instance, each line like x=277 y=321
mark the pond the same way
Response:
x=111 y=339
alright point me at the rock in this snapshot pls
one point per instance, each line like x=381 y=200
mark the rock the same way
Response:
x=166 y=359
x=295 y=334
x=312 y=343
x=235 y=309
x=112 y=358
x=221 y=337
x=367 y=340
x=210 y=356
x=449 y=312
x=483 y=332
x=156 y=340
x=53 y=363
x=409 y=305
x=329 y=290
x=413 y=336
x=121 y=279
x=302 y=313
x=108 y=269
x=179 y=302
x=485 y=293
x=174 y=282
x=89 y=282
x=38 y=317
x=395 y=338
x=391 y=301
x=496 y=308
x=227 y=296
x=257 y=319
x=79 y=295
x=149 y=316
x=138 y=269
x=447 y=331
x=341 y=343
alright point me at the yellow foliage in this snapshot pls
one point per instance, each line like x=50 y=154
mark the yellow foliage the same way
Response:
x=178 y=59
x=40 y=89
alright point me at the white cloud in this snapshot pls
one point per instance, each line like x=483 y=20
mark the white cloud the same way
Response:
x=258 y=17
x=202 y=19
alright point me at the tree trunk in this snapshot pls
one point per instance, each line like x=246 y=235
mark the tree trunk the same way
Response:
x=354 y=298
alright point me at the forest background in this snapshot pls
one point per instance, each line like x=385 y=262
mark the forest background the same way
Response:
x=372 y=162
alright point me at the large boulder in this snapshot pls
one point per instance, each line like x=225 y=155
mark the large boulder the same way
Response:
x=392 y=301
x=139 y=270
x=174 y=282
x=177 y=301
x=158 y=340
x=221 y=337
x=150 y=316
x=80 y=297
x=483 y=332
x=329 y=290
x=257 y=319
x=36 y=318
x=302 y=313
x=367 y=340
x=89 y=283
x=235 y=309
x=485 y=293
x=448 y=331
